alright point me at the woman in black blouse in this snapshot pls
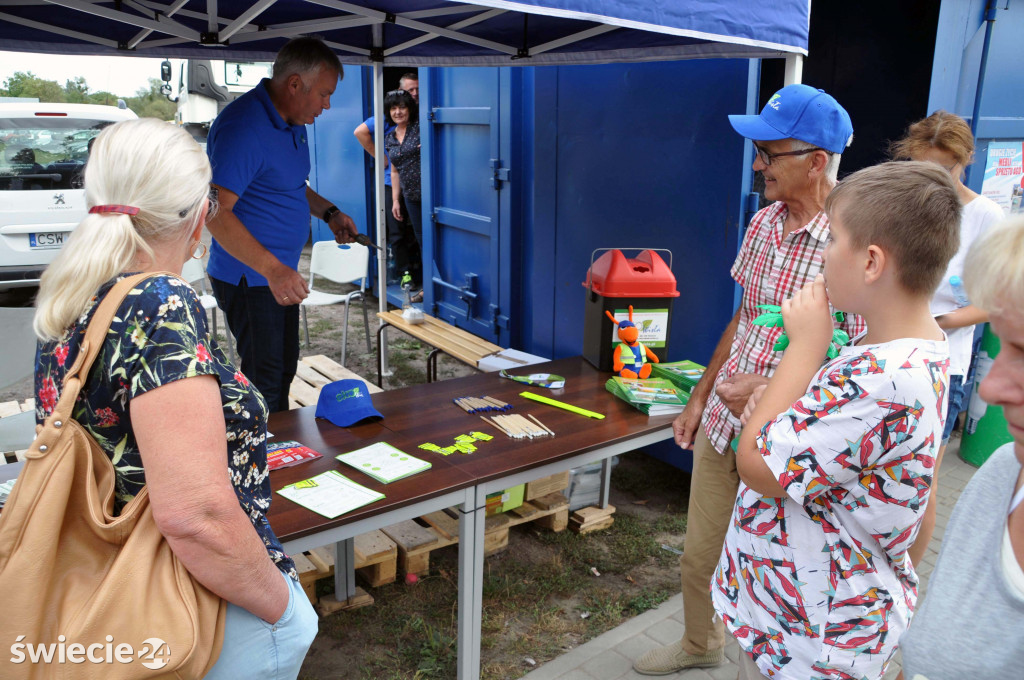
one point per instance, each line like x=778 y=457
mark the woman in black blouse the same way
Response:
x=403 y=147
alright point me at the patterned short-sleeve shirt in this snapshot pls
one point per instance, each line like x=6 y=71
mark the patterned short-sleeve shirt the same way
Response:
x=160 y=335
x=818 y=584
x=770 y=268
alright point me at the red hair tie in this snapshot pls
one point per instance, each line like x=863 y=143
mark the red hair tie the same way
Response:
x=122 y=209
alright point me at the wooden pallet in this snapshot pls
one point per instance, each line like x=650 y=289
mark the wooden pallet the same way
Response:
x=10 y=408
x=416 y=539
x=313 y=373
x=586 y=520
x=375 y=555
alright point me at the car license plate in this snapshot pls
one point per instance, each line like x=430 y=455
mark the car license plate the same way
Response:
x=47 y=240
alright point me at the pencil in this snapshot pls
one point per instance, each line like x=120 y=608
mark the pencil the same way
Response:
x=549 y=430
x=489 y=422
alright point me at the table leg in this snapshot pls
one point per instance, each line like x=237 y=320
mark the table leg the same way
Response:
x=606 y=481
x=380 y=358
x=345 y=569
x=471 y=583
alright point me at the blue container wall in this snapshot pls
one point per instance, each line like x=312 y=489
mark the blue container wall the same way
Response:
x=631 y=155
x=337 y=160
x=1002 y=98
x=955 y=73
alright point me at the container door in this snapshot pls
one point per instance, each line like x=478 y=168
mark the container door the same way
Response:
x=335 y=154
x=465 y=187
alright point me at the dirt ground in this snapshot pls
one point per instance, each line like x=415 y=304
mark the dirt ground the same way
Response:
x=543 y=595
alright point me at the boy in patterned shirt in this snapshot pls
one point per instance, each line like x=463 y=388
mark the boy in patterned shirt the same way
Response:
x=835 y=460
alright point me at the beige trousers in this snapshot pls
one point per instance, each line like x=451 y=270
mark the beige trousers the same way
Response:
x=713 y=487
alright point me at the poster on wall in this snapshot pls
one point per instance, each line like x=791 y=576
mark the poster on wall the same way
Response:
x=1004 y=175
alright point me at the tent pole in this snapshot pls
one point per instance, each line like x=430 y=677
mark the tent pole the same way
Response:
x=794 y=69
x=378 y=186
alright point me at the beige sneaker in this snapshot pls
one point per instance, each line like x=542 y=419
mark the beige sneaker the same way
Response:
x=673 y=658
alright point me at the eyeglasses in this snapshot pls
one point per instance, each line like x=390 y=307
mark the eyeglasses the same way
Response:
x=395 y=93
x=212 y=197
x=767 y=157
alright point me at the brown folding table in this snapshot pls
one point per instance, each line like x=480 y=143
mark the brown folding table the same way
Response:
x=425 y=413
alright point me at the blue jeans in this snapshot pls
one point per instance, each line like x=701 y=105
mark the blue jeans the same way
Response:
x=956 y=404
x=267 y=337
x=254 y=648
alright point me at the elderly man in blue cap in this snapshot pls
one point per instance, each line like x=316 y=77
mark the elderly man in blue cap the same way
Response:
x=799 y=137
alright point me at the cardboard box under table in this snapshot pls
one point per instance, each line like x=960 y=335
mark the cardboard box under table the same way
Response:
x=614 y=282
x=502 y=501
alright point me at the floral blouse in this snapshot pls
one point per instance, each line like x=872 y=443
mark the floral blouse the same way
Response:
x=405 y=156
x=160 y=335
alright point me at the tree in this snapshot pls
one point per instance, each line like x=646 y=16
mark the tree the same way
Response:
x=102 y=98
x=76 y=91
x=150 y=103
x=27 y=84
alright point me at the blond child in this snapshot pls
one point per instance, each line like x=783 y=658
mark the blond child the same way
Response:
x=835 y=460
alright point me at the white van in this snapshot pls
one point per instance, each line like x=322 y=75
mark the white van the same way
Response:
x=43 y=149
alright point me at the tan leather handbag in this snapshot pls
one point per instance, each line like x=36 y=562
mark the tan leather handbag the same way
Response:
x=100 y=596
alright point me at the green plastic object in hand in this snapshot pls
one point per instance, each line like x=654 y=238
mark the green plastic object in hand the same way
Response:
x=772 y=318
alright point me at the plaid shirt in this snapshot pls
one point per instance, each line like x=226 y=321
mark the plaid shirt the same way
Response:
x=771 y=269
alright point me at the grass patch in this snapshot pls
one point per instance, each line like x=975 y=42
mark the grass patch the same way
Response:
x=649 y=598
x=407 y=343
x=408 y=633
x=540 y=596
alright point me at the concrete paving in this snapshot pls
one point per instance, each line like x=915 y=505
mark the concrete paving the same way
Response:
x=610 y=656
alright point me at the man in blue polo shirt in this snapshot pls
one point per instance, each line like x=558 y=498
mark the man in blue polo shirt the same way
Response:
x=260 y=157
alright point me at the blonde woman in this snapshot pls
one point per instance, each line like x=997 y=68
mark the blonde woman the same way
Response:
x=945 y=139
x=162 y=400
x=971 y=623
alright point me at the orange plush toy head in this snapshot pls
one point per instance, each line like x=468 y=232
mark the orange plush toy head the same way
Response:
x=628 y=332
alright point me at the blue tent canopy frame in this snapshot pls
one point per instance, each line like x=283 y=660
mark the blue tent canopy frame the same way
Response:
x=414 y=32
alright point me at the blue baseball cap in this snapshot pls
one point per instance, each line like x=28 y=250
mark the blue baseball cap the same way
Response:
x=345 y=402
x=799 y=112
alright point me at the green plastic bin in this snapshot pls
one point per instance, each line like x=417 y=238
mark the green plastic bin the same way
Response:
x=986 y=426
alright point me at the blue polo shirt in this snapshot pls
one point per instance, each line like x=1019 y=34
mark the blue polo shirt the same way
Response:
x=263 y=159
x=388 y=127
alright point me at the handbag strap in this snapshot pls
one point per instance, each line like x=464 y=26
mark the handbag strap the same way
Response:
x=95 y=333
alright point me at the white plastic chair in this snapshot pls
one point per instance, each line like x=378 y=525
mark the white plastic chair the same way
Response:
x=346 y=263
x=195 y=274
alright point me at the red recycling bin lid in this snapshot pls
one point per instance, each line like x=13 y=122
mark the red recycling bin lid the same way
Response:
x=646 y=275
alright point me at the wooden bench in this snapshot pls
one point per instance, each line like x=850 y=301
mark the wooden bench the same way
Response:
x=442 y=336
x=313 y=373
x=10 y=408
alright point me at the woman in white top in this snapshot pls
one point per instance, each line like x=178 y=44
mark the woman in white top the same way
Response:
x=945 y=138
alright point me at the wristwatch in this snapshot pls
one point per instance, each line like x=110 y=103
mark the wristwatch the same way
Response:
x=330 y=212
